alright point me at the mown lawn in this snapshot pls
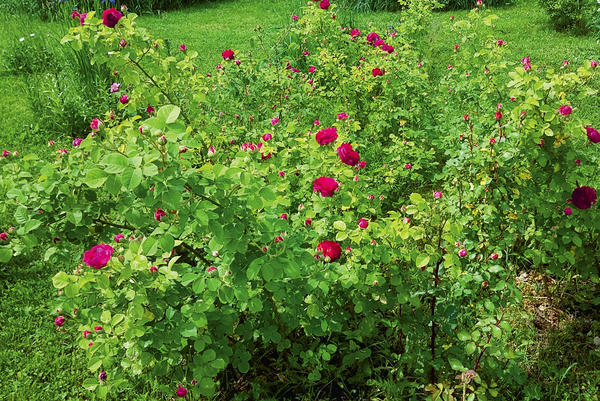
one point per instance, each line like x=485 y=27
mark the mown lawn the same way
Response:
x=38 y=362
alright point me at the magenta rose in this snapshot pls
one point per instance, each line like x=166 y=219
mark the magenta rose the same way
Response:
x=377 y=72
x=362 y=223
x=326 y=135
x=98 y=256
x=59 y=321
x=325 y=185
x=110 y=17
x=324 y=4
x=372 y=37
x=124 y=99
x=329 y=250
x=102 y=376
x=592 y=135
x=159 y=214
x=3 y=237
x=347 y=155
x=228 y=54
x=82 y=18
x=182 y=392
x=77 y=142
x=583 y=197
x=565 y=110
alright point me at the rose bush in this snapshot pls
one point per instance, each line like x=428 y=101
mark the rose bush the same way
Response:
x=256 y=253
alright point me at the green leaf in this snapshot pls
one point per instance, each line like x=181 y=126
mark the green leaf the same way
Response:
x=171 y=113
x=422 y=260
x=116 y=163
x=95 y=178
x=150 y=170
x=189 y=330
x=32 y=225
x=463 y=335
x=60 y=280
x=131 y=178
x=6 y=254
x=71 y=290
x=339 y=225
x=456 y=364
x=470 y=348
x=253 y=269
x=167 y=242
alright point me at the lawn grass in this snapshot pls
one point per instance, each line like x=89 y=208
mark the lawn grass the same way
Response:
x=39 y=362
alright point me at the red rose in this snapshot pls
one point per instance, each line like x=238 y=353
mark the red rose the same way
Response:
x=324 y=4
x=583 y=197
x=362 y=223
x=330 y=250
x=347 y=155
x=98 y=256
x=110 y=17
x=377 y=72
x=326 y=135
x=325 y=185
x=228 y=54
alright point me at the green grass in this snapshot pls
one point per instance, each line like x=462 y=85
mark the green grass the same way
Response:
x=38 y=362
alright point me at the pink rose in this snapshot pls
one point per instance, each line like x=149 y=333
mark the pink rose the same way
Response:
x=3 y=237
x=98 y=256
x=583 y=197
x=324 y=4
x=228 y=54
x=437 y=195
x=593 y=64
x=325 y=185
x=568 y=211
x=462 y=253
x=279 y=238
x=267 y=137
x=565 y=110
x=149 y=109
x=182 y=47
x=355 y=32
x=97 y=328
x=329 y=250
x=592 y=135
x=111 y=17
x=77 y=142
x=159 y=214
x=86 y=333
x=347 y=155
x=295 y=18
x=326 y=136
x=102 y=376
x=75 y=15
x=376 y=72
x=283 y=216
x=119 y=237
x=342 y=116
x=362 y=164
x=274 y=121
x=115 y=87
x=308 y=222
x=59 y=321
x=312 y=69
x=124 y=99
x=498 y=116
x=82 y=19
x=500 y=42
x=95 y=124
x=362 y=223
